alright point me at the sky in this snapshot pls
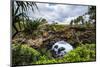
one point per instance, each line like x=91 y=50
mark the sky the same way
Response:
x=60 y=13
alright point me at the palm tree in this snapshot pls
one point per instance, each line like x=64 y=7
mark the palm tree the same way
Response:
x=71 y=23
x=81 y=19
x=19 y=13
x=76 y=21
x=92 y=12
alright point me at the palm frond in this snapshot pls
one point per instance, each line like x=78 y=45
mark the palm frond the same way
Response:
x=19 y=12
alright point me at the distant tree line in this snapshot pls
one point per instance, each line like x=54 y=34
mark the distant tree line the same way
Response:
x=81 y=20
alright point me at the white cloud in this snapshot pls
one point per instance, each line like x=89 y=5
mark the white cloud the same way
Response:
x=58 y=12
x=68 y=20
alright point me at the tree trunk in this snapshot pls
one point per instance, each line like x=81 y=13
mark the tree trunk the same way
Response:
x=13 y=25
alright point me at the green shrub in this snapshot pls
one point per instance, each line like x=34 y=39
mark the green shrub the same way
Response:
x=46 y=62
x=31 y=26
x=23 y=55
x=80 y=54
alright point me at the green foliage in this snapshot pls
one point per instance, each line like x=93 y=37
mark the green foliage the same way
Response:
x=31 y=26
x=19 y=13
x=55 y=27
x=80 y=54
x=23 y=55
x=92 y=12
x=46 y=61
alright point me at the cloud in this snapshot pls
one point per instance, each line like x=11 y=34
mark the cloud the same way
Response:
x=58 y=12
